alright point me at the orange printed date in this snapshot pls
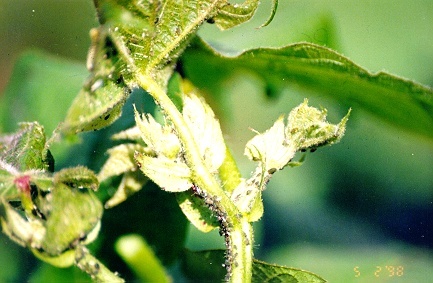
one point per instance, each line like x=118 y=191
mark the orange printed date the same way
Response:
x=382 y=271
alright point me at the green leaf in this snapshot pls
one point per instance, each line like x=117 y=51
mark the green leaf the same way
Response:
x=197 y=212
x=74 y=214
x=78 y=178
x=93 y=110
x=100 y=101
x=8 y=189
x=25 y=149
x=231 y=15
x=265 y=272
x=398 y=101
x=150 y=35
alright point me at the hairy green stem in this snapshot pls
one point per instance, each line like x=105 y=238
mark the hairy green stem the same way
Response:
x=239 y=234
x=92 y=266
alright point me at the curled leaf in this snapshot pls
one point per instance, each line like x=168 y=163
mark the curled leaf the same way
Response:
x=231 y=15
x=95 y=109
x=307 y=127
x=23 y=232
x=275 y=148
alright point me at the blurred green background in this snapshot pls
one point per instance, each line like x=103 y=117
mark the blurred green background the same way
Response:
x=351 y=213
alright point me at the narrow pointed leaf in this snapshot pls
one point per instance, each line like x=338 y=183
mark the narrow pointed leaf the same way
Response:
x=398 y=101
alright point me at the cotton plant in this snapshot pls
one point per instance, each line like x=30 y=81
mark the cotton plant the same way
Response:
x=153 y=47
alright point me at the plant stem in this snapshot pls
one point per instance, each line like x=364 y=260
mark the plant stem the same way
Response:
x=239 y=233
x=92 y=266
